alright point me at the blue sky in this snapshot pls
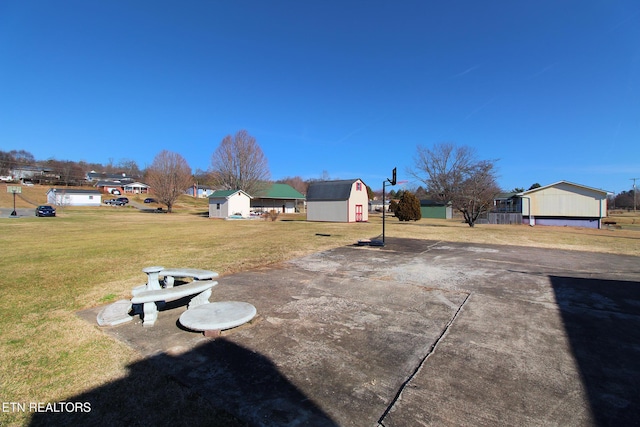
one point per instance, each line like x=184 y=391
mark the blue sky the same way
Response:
x=346 y=88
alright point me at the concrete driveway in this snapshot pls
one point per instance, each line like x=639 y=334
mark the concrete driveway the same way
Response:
x=418 y=333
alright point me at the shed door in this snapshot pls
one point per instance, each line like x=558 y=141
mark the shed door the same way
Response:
x=358 y=213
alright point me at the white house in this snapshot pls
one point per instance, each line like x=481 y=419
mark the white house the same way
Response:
x=227 y=203
x=561 y=204
x=338 y=201
x=136 y=188
x=73 y=197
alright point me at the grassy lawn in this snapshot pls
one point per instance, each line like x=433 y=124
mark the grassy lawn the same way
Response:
x=85 y=257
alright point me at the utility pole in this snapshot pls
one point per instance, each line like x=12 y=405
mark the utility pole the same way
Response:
x=634 y=194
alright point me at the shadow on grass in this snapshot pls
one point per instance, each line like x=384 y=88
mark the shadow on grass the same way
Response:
x=153 y=210
x=216 y=384
x=602 y=321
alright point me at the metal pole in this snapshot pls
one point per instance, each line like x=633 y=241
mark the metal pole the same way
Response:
x=383 y=214
x=634 y=194
x=14 y=204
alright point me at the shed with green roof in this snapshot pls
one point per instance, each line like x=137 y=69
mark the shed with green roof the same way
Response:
x=229 y=203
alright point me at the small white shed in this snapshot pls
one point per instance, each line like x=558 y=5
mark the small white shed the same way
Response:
x=227 y=203
x=73 y=197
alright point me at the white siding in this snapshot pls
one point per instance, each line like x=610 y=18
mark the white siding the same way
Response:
x=61 y=198
x=566 y=200
x=358 y=197
x=238 y=204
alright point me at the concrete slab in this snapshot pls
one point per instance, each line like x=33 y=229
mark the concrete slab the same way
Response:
x=418 y=333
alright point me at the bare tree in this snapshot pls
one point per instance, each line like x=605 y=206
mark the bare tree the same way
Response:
x=169 y=176
x=453 y=174
x=239 y=164
x=296 y=182
x=6 y=162
x=128 y=166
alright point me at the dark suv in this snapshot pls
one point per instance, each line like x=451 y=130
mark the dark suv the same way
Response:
x=45 y=211
x=123 y=200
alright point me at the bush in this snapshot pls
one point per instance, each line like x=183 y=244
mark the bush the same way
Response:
x=408 y=208
x=271 y=215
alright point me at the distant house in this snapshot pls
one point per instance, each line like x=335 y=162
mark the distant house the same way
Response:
x=282 y=198
x=435 y=209
x=33 y=174
x=227 y=203
x=116 y=183
x=561 y=204
x=199 y=191
x=110 y=187
x=94 y=176
x=338 y=201
x=136 y=188
x=73 y=197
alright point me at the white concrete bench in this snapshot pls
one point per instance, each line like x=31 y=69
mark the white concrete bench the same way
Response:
x=171 y=273
x=148 y=298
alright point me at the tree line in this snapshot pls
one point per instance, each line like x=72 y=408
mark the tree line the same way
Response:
x=451 y=174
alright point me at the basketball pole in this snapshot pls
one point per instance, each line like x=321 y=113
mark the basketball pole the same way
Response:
x=391 y=181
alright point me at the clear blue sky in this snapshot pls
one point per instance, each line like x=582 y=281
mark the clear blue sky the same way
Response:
x=550 y=88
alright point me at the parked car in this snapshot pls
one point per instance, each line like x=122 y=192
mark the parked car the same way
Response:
x=114 y=202
x=45 y=211
x=124 y=200
x=149 y=200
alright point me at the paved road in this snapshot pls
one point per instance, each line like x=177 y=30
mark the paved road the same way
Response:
x=24 y=212
x=415 y=333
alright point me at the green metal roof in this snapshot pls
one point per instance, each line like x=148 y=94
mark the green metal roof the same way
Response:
x=224 y=193
x=281 y=191
x=275 y=191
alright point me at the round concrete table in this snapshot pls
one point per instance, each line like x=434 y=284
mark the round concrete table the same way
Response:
x=217 y=316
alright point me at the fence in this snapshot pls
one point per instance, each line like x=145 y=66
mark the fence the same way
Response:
x=504 y=218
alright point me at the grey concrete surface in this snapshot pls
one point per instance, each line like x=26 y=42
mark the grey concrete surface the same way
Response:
x=418 y=333
x=20 y=212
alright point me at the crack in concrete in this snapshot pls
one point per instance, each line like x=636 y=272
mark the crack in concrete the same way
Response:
x=431 y=350
x=430 y=247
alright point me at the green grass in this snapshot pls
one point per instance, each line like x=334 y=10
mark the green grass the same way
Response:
x=85 y=257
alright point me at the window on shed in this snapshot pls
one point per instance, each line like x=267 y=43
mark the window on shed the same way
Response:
x=218 y=206
x=358 y=186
